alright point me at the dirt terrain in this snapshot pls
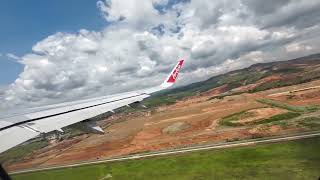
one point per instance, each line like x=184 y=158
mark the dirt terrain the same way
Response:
x=194 y=120
x=260 y=113
x=300 y=94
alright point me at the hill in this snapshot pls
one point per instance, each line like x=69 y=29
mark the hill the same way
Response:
x=229 y=107
x=258 y=77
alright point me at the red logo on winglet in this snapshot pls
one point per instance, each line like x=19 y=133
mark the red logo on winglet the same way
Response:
x=175 y=73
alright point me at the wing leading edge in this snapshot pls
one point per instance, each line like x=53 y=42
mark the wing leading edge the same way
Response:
x=18 y=128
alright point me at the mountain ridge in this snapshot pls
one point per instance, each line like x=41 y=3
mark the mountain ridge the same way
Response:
x=276 y=74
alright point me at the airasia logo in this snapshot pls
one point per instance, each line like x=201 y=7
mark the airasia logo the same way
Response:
x=176 y=72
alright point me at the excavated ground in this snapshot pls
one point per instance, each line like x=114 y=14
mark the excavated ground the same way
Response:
x=198 y=117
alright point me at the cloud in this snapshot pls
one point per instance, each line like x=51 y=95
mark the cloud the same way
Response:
x=275 y=13
x=265 y=7
x=298 y=47
x=144 y=39
x=12 y=56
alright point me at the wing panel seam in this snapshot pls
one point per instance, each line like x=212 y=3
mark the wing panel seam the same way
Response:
x=65 y=112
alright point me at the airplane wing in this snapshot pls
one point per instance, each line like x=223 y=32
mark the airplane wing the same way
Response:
x=18 y=128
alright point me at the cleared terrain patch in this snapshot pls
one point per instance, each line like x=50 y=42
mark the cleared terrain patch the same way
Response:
x=176 y=127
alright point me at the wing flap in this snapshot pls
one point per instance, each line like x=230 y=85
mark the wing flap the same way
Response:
x=18 y=134
x=14 y=136
x=20 y=127
x=59 y=121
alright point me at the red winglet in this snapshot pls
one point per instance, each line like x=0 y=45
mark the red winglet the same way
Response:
x=174 y=74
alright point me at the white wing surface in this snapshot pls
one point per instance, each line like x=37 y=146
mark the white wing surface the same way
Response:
x=18 y=128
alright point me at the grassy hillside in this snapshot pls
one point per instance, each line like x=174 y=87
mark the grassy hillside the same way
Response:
x=18 y=152
x=290 y=72
x=287 y=160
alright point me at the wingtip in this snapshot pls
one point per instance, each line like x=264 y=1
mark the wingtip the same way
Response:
x=173 y=75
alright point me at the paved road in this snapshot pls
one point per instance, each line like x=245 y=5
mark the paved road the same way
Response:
x=181 y=150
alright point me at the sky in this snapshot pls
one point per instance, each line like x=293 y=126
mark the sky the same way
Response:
x=67 y=50
x=24 y=23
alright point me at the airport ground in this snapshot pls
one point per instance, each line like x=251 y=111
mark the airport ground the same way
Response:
x=195 y=120
x=262 y=101
x=299 y=159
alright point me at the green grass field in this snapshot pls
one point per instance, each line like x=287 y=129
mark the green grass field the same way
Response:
x=287 y=160
x=230 y=120
x=227 y=121
x=300 y=109
x=20 y=152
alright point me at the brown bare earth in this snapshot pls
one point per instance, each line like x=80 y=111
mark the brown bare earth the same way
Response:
x=261 y=113
x=261 y=81
x=191 y=121
x=303 y=94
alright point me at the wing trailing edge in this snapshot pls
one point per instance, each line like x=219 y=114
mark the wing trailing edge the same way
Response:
x=19 y=128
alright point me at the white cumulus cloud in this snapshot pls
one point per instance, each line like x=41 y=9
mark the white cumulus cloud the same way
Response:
x=145 y=38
